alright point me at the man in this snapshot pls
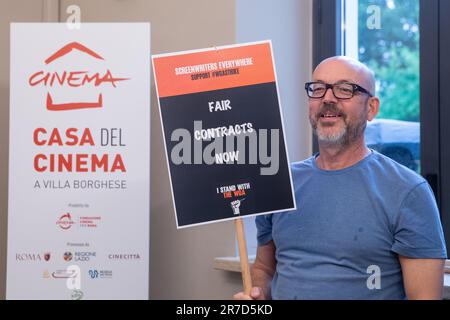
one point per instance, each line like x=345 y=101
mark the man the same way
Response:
x=366 y=227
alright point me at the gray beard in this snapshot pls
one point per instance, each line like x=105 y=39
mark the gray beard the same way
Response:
x=344 y=137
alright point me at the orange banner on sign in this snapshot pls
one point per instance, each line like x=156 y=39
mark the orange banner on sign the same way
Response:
x=218 y=68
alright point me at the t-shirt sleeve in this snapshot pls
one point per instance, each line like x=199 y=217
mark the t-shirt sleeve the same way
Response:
x=264 y=229
x=417 y=229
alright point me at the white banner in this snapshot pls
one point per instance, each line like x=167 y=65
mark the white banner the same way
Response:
x=79 y=170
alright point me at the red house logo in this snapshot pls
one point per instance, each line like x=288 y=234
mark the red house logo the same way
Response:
x=73 y=79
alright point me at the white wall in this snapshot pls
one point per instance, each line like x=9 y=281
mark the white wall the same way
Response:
x=288 y=23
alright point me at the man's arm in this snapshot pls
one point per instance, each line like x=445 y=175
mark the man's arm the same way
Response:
x=264 y=268
x=262 y=273
x=423 y=278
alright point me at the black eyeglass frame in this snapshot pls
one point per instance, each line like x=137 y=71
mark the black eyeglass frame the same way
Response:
x=355 y=87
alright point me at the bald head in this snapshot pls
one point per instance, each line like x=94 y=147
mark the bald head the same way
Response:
x=338 y=68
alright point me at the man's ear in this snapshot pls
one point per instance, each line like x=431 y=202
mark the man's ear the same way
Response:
x=374 y=107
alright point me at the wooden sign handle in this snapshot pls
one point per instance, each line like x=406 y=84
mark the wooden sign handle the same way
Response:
x=245 y=267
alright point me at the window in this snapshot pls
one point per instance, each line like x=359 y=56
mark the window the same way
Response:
x=384 y=34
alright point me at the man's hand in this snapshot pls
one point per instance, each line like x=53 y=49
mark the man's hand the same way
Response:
x=255 y=294
x=262 y=273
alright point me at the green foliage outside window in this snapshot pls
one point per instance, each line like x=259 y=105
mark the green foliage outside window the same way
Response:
x=393 y=53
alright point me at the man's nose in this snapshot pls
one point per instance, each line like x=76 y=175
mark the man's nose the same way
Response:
x=329 y=96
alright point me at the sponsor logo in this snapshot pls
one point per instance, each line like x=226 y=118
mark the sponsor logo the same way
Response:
x=65 y=222
x=23 y=257
x=74 y=79
x=78 y=256
x=100 y=274
x=46 y=274
x=124 y=256
x=68 y=256
x=47 y=256
x=90 y=222
x=84 y=256
x=93 y=274
x=64 y=274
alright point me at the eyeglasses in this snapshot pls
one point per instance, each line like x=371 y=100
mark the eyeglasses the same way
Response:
x=344 y=90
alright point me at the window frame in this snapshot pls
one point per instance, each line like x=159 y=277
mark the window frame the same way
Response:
x=438 y=12
x=327 y=35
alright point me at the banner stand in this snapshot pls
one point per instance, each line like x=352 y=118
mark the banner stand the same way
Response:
x=243 y=257
x=75 y=162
